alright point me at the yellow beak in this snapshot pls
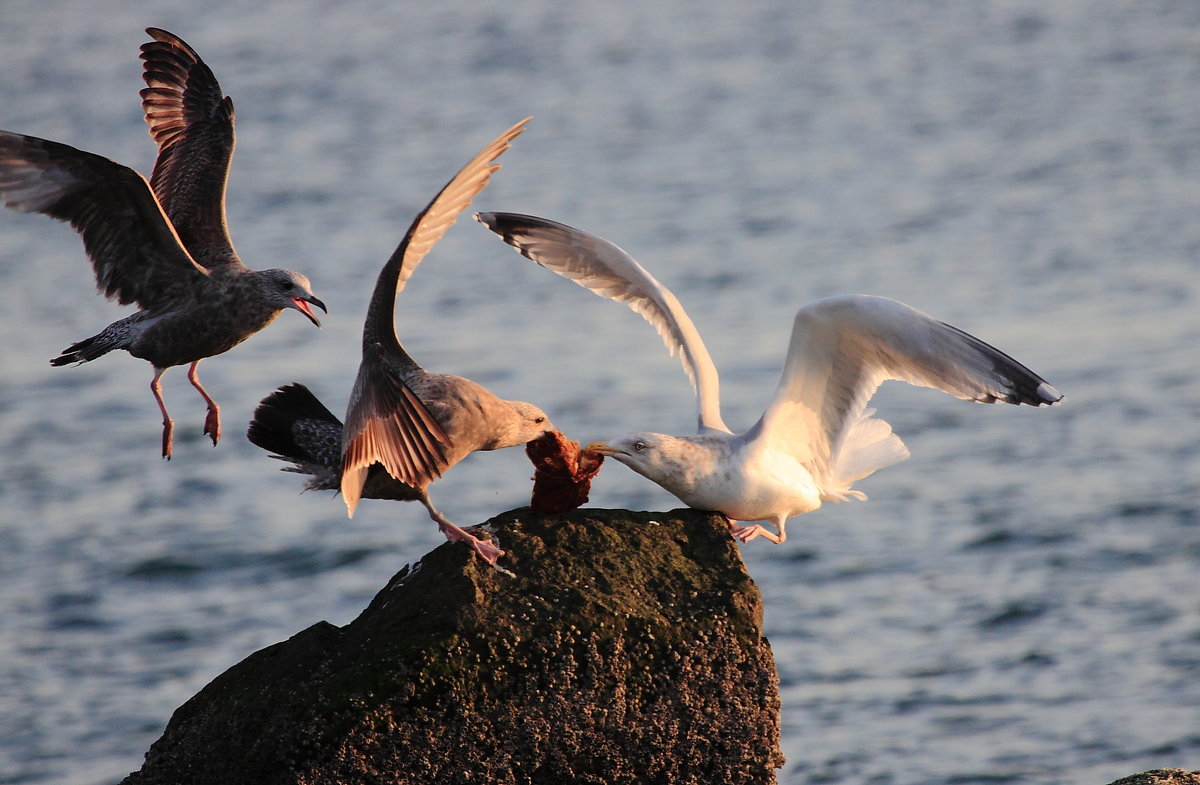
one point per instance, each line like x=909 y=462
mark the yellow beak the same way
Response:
x=603 y=448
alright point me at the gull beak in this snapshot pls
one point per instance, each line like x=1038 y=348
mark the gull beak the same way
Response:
x=301 y=304
x=604 y=448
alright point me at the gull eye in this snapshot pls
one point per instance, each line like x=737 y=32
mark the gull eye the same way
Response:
x=639 y=446
x=539 y=419
x=288 y=286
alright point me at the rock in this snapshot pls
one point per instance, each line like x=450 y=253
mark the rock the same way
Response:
x=1162 y=777
x=623 y=648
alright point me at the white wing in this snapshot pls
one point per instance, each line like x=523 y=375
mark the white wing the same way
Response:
x=598 y=265
x=842 y=349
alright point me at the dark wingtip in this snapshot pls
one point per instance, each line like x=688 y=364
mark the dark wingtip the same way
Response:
x=1047 y=394
x=509 y=225
x=504 y=223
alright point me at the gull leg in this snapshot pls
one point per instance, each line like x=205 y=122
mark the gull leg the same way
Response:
x=748 y=533
x=212 y=422
x=487 y=550
x=168 y=424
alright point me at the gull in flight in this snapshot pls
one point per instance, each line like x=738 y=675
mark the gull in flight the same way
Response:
x=817 y=436
x=405 y=426
x=163 y=246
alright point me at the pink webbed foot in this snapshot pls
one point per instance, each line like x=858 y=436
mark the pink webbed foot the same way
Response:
x=167 y=438
x=487 y=550
x=748 y=533
x=212 y=424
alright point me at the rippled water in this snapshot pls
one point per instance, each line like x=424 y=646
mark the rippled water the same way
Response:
x=1019 y=602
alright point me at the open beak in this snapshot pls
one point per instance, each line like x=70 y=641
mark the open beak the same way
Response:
x=301 y=304
x=604 y=448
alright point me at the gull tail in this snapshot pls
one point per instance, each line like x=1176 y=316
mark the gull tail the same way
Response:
x=118 y=335
x=89 y=349
x=866 y=447
x=294 y=426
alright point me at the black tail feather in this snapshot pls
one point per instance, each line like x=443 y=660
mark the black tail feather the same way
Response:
x=82 y=351
x=272 y=427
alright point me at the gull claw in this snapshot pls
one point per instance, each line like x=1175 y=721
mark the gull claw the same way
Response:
x=748 y=533
x=212 y=425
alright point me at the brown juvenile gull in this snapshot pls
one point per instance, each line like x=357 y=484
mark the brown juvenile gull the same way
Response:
x=817 y=436
x=192 y=307
x=405 y=427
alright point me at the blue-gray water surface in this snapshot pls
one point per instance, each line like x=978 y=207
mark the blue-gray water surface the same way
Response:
x=1019 y=602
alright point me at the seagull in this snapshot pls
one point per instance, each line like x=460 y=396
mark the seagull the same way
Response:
x=817 y=437
x=405 y=426
x=191 y=306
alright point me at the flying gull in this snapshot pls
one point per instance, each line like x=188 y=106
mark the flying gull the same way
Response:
x=405 y=426
x=817 y=436
x=192 y=306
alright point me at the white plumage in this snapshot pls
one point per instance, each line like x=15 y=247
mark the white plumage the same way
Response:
x=817 y=437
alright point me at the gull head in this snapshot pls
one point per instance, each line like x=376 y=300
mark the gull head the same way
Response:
x=677 y=463
x=531 y=423
x=287 y=289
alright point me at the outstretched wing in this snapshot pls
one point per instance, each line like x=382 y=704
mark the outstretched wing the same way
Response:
x=191 y=121
x=842 y=349
x=424 y=232
x=386 y=422
x=601 y=267
x=135 y=252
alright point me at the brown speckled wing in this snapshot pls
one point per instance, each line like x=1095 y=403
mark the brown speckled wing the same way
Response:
x=136 y=255
x=191 y=121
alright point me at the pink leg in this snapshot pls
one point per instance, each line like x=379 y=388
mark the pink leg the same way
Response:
x=487 y=550
x=748 y=533
x=168 y=425
x=212 y=423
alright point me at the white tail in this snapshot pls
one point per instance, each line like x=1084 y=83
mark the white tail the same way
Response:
x=867 y=446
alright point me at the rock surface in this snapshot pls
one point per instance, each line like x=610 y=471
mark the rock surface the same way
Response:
x=1162 y=777
x=623 y=648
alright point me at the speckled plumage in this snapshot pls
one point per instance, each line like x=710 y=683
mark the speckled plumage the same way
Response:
x=164 y=248
x=403 y=422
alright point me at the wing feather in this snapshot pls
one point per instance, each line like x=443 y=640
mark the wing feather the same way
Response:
x=135 y=252
x=605 y=269
x=387 y=424
x=426 y=229
x=192 y=122
x=842 y=348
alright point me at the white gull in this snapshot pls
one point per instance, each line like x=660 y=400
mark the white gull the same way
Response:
x=817 y=436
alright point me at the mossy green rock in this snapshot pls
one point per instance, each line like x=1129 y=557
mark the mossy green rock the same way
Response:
x=622 y=648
